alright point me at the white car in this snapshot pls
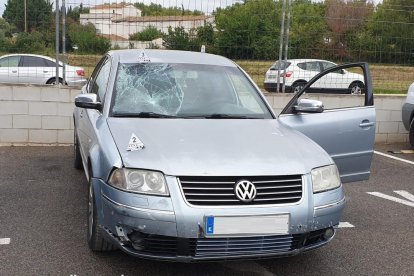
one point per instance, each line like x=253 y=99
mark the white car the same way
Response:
x=297 y=72
x=36 y=69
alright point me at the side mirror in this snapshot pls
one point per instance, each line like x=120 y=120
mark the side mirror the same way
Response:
x=308 y=106
x=89 y=101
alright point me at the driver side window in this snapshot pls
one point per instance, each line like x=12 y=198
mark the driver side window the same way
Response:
x=99 y=80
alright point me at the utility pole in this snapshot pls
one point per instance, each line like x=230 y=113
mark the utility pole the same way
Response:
x=64 y=41
x=25 y=16
x=287 y=44
x=57 y=43
x=282 y=34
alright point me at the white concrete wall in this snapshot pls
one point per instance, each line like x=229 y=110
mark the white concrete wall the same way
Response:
x=42 y=115
x=36 y=115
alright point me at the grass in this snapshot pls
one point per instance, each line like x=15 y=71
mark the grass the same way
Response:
x=387 y=79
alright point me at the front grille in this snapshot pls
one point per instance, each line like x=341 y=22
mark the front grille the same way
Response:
x=208 y=247
x=216 y=191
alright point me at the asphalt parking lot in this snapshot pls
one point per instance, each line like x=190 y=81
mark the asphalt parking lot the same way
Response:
x=43 y=216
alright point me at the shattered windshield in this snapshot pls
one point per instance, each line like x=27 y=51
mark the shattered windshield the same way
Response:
x=161 y=90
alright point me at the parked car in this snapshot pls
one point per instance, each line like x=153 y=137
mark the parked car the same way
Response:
x=297 y=72
x=408 y=114
x=36 y=69
x=186 y=160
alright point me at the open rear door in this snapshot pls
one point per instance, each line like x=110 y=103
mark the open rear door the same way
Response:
x=344 y=127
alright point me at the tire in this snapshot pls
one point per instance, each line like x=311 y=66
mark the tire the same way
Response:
x=298 y=86
x=76 y=151
x=53 y=81
x=357 y=88
x=95 y=237
x=411 y=133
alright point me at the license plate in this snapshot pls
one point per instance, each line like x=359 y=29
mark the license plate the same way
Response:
x=247 y=225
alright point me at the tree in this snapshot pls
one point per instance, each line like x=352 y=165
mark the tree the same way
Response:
x=148 y=34
x=85 y=37
x=391 y=33
x=39 y=14
x=29 y=43
x=249 y=30
x=179 y=39
x=308 y=30
x=75 y=12
x=343 y=16
x=157 y=10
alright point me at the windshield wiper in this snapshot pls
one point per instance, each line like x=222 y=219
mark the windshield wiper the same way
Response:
x=144 y=115
x=222 y=116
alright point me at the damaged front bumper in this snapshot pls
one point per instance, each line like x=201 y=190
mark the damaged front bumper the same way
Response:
x=168 y=228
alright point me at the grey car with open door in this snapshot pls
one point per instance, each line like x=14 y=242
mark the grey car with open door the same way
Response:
x=186 y=160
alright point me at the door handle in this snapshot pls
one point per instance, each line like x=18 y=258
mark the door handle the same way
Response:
x=45 y=71
x=366 y=123
x=81 y=114
x=14 y=71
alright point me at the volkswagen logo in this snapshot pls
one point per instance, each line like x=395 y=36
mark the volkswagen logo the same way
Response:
x=245 y=190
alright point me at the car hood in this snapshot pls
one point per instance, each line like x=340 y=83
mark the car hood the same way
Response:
x=220 y=147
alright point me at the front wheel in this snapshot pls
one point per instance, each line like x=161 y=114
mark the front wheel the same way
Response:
x=96 y=240
x=411 y=133
x=357 y=88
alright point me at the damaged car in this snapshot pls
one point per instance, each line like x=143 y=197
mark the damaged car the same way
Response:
x=186 y=160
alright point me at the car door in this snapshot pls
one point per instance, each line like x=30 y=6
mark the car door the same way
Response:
x=88 y=117
x=345 y=128
x=32 y=69
x=9 y=69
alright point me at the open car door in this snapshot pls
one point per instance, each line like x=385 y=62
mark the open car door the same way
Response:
x=343 y=125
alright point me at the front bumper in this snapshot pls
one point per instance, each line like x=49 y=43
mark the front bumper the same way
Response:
x=407 y=111
x=76 y=81
x=167 y=228
x=272 y=87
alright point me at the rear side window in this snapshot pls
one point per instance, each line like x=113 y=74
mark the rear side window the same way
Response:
x=28 y=61
x=302 y=65
x=49 y=63
x=280 y=65
x=12 y=61
x=313 y=66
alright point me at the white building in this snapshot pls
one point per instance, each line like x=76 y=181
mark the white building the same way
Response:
x=122 y=20
x=123 y=9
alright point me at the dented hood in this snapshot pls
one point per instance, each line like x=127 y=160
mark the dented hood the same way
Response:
x=220 y=147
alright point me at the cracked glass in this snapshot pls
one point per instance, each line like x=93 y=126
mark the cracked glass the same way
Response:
x=185 y=90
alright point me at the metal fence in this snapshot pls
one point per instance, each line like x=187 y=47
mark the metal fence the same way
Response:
x=248 y=32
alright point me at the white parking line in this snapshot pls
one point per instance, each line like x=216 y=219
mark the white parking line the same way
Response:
x=4 y=241
x=345 y=224
x=405 y=194
x=393 y=157
x=395 y=199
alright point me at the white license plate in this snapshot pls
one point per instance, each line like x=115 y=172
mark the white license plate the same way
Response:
x=247 y=225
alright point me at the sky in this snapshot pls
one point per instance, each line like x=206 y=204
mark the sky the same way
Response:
x=206 y=6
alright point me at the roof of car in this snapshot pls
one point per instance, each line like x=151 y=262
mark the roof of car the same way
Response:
x=30 y=55
x=170 y=56
x=306 y=60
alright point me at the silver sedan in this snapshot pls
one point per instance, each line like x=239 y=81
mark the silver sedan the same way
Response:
x=186 y=160
x=36 y=69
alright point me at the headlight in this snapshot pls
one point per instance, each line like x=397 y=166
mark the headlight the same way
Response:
x=325 y=178
x=139 y=181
